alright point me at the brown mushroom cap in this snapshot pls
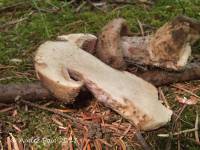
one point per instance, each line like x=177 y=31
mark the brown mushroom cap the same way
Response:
x=109 y=43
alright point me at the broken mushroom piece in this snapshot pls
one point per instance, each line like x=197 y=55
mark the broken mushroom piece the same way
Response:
x=108 y=46
x=125 y=93
x=168 y=48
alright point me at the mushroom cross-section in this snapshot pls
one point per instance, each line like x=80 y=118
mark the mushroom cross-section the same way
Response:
x=64 y=68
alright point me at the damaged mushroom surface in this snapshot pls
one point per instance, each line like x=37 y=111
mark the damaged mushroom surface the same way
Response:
x=64 y=68
x=168 y=48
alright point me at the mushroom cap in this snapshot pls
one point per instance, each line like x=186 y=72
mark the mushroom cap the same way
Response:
x=109 y=49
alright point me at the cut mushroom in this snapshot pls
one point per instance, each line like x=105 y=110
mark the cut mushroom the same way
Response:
x=59 y=81
x=64 y=68
x=56 y=78
x=168 y=48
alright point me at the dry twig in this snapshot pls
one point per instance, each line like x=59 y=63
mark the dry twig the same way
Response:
x=53 y=111
x=141 y=27
x=189 y=92
x=162 y=96
x=80 y=6
x=91 y=3
x=196 y=127
x=178 y=133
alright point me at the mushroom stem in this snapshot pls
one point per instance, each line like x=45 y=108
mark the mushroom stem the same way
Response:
x=169 y=47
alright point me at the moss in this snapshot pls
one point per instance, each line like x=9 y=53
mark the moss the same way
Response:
x=43 y=23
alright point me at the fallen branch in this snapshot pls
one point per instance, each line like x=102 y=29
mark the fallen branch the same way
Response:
x=35 y=91
x=29 y=91
x=162 y=77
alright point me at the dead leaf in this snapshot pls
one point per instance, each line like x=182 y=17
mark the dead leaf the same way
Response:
x=183 y=100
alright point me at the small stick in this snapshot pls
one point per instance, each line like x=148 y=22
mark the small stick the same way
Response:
x=6 y=109
x=182 y=119
x=105 y=142
x=141 y=27
x=80 y=6
x=89 y=2
x=14 y=6
x=196 y=127
x=178 y=133
x=187 y=91
x=16 y=21
x=163 y=98
x=6 y=78
x=179 y=114
x=13 y=22
x=53 y=111
x=126 y=131
x=71 y=2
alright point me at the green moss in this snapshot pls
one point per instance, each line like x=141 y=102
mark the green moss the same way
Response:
x=20 y=41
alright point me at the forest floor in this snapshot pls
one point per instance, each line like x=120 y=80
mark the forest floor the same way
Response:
x=24 y=25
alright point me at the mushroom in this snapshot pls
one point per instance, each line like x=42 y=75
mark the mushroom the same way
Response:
x=64 y=69
x=168 y=48
x=108 y=47
x=56 y=78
